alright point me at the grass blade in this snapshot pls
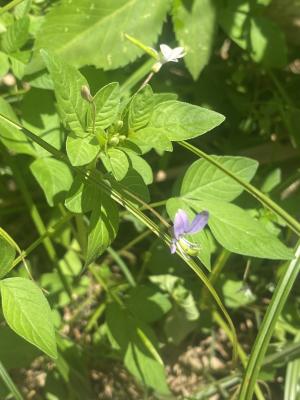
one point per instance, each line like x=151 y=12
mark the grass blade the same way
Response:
x=9 y=383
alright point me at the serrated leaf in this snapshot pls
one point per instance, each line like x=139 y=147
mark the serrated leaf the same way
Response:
x=54 y=177
x=27 y=312
x=204 y=180
x=92 y=32
x=68 y=82
x=81 y=150
x=107 y=103
x=140 y=109
x=123 y=333
x=104 y=224
x=12 y=137
x=7 y=255
x=181 y=121
x=82 y=197
x=239 y=233
x=195 y=27
x=16 y=35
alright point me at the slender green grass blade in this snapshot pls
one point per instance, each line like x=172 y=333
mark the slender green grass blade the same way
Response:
x=9 y=383
x=267 y=327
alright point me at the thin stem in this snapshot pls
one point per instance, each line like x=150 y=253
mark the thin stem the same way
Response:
x=137 y=76
x=9 y=6
x=291 y=222
x=122 y=265
x=9 y=383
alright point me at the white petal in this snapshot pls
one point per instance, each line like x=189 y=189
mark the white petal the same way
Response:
x=178 y=52
x=167 y=52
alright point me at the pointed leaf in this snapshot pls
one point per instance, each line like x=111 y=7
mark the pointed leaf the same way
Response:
x=82 y=150
x=7 y=255
x=27 y=312
x=140 y=108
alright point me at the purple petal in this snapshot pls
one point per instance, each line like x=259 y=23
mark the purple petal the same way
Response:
x=198 y=222
x=173 y=246
x=181 y=223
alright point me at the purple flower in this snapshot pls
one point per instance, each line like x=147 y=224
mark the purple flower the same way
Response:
x=182 y=227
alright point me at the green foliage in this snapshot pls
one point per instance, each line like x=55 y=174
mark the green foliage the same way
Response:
x=81 y=150
x=94 y=33
x=32 y=323
x=195 y=26
x=140 y=109
x=16 y=35
x=7 y=255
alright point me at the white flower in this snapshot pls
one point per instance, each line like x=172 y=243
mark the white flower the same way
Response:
x=168 y=55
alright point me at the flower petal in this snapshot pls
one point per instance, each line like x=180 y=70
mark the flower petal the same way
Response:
x=198 y=222
x=178 y=52
x=181 y=223
x=173 y=246
x=166 y=51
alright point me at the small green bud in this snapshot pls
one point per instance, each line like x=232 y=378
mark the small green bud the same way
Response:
x=119 y=124
x=114 y=141
x=122 y=138
x=189 y=248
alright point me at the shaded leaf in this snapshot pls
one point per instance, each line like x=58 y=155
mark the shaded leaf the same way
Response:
x=7 y=255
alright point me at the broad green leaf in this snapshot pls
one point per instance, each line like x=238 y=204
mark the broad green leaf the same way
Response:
x=67 y=82
x=7 y=255
x=181 y=121
x=151 y=138
x=104 y=223
x=54 y=177
x=11 y=137
x=117 y=162
x=138 y=359
x=18 y=61
x=140 y=166
x=92 y=32
x=147 y=303
x=203 y=180
x=4 y=64
x=162 y=97
x=140 y=109
x=82 y=197
x=235 y=293
x=82 y=150
x=107 y=103
x=200 y=238
x=27 y=312
x=16 y=35
x=195 y=26
x=39 y=116
x=267 y=43
x=239 y=233
x=135 y=184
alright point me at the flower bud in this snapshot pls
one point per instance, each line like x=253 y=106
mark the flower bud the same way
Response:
x=86 y=94
x=114 y=141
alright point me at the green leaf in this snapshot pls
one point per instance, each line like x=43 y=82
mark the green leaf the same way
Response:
x=235 y=293
x=195 y=27
x=92 y=32
x=4 y=64
x=7 y=255
x=27 y=312
x=239 y=233
x=82 y=151
x=181 y=121
x=140 y=166
x=147 y=303
x=104 y=223
x=67 y=85
x=107 y=103
x=148 y=138
x=16 y=35
x=117 y=162
x=203 y=180
x=12 y=137
x=44 y=121
x=138 y=359
x=140 y=109
x=54 y=177
x=134 y=183
x=82 y=197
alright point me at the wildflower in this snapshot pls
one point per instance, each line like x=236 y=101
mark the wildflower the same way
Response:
x=182 y=227
x=168 y=55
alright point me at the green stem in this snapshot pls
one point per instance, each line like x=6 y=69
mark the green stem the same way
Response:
x=9 y=6
x=9 y=383
x=122 y=265
x=266 y=329
x=291 y=222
